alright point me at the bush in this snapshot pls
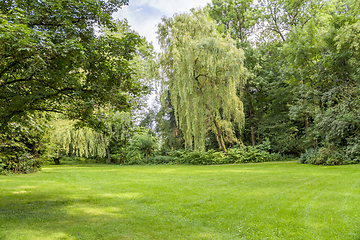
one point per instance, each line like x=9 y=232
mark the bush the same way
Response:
x=329 y=155
x=308 y=155
x=160 y=160
x=25 y=163
x=2 y=167
x=252 y=155
x=28 y=164
x=234 y=155
x=211 y=157
x=118 y=158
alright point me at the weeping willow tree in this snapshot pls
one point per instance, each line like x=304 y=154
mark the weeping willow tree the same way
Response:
x=203 y=71
x=84 y=142
x=66 y=139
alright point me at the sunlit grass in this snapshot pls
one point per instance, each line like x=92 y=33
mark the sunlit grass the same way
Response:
x=254 y=201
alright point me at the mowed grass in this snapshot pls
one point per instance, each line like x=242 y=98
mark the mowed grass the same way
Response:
x=253 y=201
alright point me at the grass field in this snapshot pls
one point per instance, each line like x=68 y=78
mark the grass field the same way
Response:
x=253 y=201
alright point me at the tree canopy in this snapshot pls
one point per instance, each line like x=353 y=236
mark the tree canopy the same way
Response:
x=52 y=59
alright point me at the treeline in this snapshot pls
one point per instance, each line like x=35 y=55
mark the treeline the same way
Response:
x=302 y=78
x=241 y=81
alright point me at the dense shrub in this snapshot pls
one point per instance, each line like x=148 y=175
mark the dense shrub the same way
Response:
x=25 y=163
x=308 y=155
x=2 y=167
x=21 y=144
x=329 y=155
x=28 y=164
x=160 y=160
x=211 y=157
x=118 y=158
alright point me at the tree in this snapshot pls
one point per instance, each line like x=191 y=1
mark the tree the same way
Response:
x=119 y=132
x=202 y=70
x=143 y=142
x=267 y=91
x=324 y=57
x=236 y=17
x=52 y=60
x=146 y=143
x=66 y=140
x=279 y=17
x=239 y=18
x=171 y=136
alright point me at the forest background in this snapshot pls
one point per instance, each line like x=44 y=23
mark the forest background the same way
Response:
x=239 y=81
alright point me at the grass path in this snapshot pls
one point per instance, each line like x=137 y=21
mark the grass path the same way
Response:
x=253 y=201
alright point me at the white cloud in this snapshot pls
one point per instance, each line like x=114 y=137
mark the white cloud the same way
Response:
x=144 y=15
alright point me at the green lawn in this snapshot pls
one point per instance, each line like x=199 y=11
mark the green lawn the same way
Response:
x=253 y=201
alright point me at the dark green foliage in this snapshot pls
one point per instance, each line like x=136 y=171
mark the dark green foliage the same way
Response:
x=28 y=164
x=21 y=145
x=161 y=160
x=52 y=60
x=118 y=158
x=2 y=166
x=330 y=155
x=73 y=160
x=308 y=155
x=303 y=75
x=234 y=155
x=25 y=163
x=172 y=137
x=211 y=157
x=155 y=160
x=141 y=144
x=252 y=155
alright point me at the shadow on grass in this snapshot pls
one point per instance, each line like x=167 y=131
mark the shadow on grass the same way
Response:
x=45 y=215
x=38 y=216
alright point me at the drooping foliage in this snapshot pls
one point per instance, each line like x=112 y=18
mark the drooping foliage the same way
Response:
x=202 y=71
x=68 y=141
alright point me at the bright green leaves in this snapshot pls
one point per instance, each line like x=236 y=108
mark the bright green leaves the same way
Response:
x=236 y=17
x=142 y=144
x=202 y=70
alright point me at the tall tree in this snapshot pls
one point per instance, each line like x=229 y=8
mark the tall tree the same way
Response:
x=239 y=19
x=202 y=71
x=279 y=17
x=267 y=94
x=236 y=17
x=171 y=136
x=52 y=60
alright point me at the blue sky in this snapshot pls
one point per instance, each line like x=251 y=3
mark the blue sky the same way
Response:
x=144 y=15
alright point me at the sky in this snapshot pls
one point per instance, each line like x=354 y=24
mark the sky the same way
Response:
x=144 y=15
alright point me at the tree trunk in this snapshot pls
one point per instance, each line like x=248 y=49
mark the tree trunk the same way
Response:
x=146 y=156
x=306 y=120
x=108 y=154
x=222 y=144
x=251 y=116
